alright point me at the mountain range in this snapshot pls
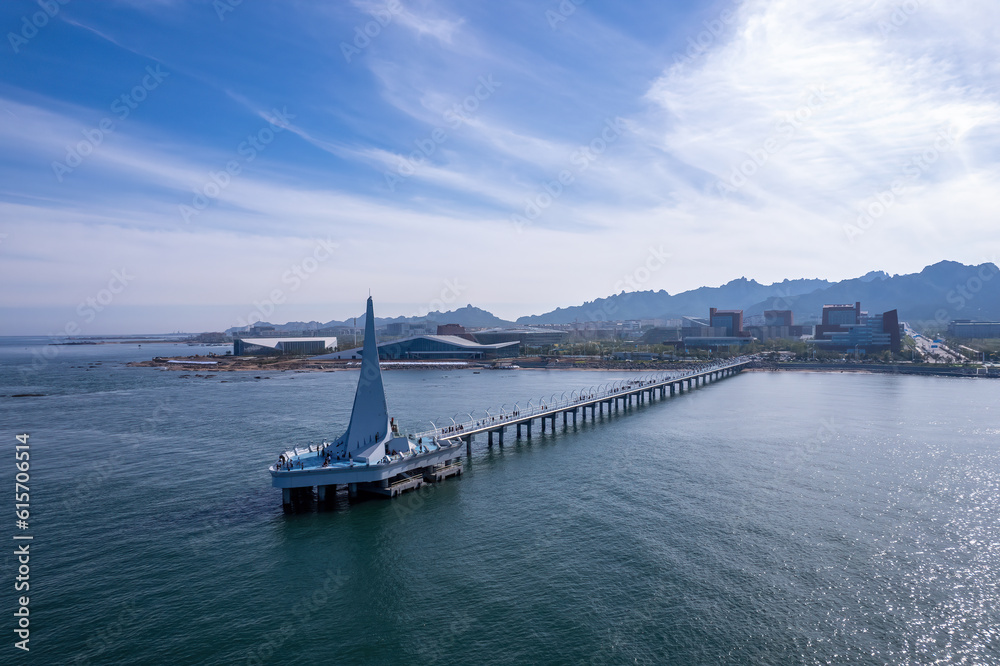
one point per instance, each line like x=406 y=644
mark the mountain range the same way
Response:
x=939 y=293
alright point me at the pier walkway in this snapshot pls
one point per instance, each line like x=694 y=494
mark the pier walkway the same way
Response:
x=621 y=395
x=372 y=455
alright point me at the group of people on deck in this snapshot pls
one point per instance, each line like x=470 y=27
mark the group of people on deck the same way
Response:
x=287 y=463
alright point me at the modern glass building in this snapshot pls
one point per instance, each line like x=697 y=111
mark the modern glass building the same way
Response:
x=265 y=346
x=873 y=333
x=729 y=320
x=433 y=347
x=530 y=337
x=966 y=328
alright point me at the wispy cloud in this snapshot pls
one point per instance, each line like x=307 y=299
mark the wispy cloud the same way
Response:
x=751 y=157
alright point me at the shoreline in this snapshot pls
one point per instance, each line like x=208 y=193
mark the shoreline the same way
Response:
x=299 y=364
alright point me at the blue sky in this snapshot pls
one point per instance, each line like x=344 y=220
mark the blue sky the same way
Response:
x=184 y=165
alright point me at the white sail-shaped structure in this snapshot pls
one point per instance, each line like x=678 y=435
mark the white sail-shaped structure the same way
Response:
x=369 y=427
x=370 y=455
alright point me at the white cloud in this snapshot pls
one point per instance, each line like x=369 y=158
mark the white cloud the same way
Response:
x=845 y=107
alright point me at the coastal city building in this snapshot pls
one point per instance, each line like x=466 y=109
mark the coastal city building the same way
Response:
x=405 y=328
x=866 y=334
x=836 y=319
x=777 y=325
x=269 y=346
x=438 y=347
x=526 y=337
x=966 y=328
x=723 y=328
x=731 y=321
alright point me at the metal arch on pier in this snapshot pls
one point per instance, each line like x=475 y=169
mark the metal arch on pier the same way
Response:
x=614 y=393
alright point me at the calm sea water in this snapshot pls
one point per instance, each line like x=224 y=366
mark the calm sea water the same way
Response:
x=773 y=518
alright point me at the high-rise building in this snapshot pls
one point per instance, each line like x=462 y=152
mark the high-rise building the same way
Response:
x=729 y=320
x=870 y=333
x=778 y=318
x=836 y=319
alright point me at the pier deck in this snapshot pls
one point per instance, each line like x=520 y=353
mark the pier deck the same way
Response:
x=618 y=395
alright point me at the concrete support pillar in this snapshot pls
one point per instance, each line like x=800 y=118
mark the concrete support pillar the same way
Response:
x=489 y=438
x=519 y=431
x=500 y=433
x=321 y=493
x=543 y=425
x=565 y=417
x=574 y=417
x=468 y=444
x=352 y=490
x=286 y=496
x=529 y=429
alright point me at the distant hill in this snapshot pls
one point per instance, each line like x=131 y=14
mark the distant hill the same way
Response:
x=737 y=294
x=939 y=293
x=469 y=316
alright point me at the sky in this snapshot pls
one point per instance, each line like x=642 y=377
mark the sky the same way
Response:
x=182 y=165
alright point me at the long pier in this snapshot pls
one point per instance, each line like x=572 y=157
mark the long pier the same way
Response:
x=618 y=395
x=373 y=456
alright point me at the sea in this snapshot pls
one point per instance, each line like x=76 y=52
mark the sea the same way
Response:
x=767 y=518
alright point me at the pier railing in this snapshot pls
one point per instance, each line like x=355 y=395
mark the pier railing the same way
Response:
x=586 y=396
